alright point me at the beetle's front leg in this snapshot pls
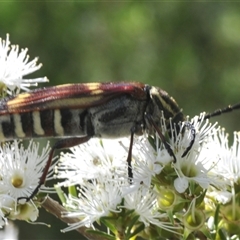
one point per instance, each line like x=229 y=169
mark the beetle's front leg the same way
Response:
x=129 y=157
x=192 y=129
x=163 y=139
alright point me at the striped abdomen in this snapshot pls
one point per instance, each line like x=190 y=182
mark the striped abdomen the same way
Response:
x=112 y=119
x=46 y=123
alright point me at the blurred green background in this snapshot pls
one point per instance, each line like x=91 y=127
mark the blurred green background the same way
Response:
x=191 y=50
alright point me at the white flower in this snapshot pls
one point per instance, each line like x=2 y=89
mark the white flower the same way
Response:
x=194 y=166
x=21 y=169
x=6 y=206
x=144 y=203
x=145 y=162
x=91 y=160
x=25 y=212
x=228 y=166
x=9 y=209
x=191 y=169
x=14 y=65
x=196 y=129
x=96 y=199
x=222 y=197
x=181 y=184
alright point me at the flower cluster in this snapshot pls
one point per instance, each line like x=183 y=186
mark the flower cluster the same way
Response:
x=164 y=198
x=20 y=172
x=21 y=168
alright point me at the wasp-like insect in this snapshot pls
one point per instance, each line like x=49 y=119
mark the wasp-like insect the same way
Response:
x=77 y=112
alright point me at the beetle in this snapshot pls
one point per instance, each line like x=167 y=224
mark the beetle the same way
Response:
x=74 y=113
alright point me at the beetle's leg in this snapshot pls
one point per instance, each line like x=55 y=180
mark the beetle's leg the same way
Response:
x=190 y=126
x=163 y=139
x=129 y=157
x=61 y=144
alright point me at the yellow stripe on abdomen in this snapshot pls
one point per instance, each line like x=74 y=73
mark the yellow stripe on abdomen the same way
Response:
x=59 y=130
x=37 y=127
x=18 y=126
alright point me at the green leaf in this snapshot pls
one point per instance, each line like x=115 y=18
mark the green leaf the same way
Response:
x=216 y=215
x=221 y=234
x=140 y=228
x=109 y=223
x=170 y=215
x=133 y=221
x=201 y=198
x=207 y=233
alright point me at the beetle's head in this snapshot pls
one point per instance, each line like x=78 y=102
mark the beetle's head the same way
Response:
x=161 y=103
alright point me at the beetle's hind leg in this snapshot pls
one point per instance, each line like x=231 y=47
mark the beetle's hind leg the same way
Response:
x=61 y=144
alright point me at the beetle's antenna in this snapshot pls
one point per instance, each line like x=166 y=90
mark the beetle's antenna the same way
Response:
x=218 y=112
